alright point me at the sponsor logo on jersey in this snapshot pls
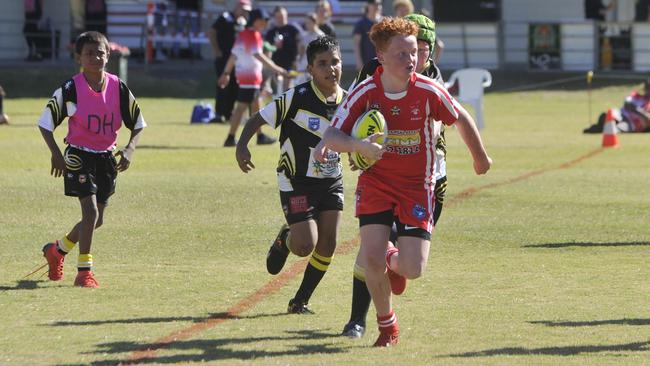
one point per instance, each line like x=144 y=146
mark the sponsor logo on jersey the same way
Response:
x=394 y=111
x=374 y=106
x=419 y=212
x=82 y=178
x=314 y=123
x=403 y=142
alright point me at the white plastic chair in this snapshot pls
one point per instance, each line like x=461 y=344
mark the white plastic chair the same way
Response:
x=470 y=89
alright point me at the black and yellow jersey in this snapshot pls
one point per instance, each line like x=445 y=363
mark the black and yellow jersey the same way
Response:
x=303 y=114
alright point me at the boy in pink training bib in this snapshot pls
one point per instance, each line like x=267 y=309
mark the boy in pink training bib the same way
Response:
x=96 y=104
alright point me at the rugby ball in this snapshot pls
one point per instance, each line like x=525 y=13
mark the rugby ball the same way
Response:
x=368 y=124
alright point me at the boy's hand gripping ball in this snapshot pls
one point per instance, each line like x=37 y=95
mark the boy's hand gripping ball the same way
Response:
x=368 y=124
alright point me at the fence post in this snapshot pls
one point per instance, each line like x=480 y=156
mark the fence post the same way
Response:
x=150 y=32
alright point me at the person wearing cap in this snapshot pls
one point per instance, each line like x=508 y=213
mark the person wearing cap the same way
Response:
x=426 y=40
x=247 y=59
x=222 y=38
x=364 y=51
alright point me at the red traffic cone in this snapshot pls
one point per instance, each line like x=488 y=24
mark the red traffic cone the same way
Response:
x=610 y=132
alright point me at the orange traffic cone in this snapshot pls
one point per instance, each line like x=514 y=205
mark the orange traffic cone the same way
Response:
x=610 y=132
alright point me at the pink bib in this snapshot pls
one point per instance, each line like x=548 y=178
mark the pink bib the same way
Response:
x=95 y=123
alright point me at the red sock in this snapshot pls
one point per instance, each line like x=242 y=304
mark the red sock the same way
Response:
x=388 y=323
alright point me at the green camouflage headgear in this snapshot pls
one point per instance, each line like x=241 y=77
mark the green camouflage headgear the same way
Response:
x=427 y=26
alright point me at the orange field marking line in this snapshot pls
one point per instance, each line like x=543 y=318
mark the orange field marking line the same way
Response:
x=298 y=267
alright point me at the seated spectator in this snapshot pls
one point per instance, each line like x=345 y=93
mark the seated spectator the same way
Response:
x=4 y=119
x=633 y=117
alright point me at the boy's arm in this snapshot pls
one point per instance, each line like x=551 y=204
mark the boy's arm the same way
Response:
x=270 y=64
x=337 y=140
x=224 y=79
x=58 y=163
x=472 y=138
x=126 y=154
x=242 y=154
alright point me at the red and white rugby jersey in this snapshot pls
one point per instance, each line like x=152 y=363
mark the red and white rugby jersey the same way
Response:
x=248 y=69
x=413 y=121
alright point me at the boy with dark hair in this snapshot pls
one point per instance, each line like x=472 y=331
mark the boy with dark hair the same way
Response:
x=311 y=193
x=247 y=59
x=95 y=103
x=399 y=187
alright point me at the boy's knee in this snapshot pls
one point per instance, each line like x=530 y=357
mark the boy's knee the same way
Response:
x=414 y=271
x=302 y=249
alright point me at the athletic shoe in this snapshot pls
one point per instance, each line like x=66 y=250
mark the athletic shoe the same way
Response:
x=263 y=139
x=354 y=330
x=230 y=141
x=296 y=307
x=397 y=282
x=278 y=252
x=386 y=339
x=86 y=279
x=54 y=260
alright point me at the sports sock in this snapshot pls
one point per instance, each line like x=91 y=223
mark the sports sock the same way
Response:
x=85 y=262
x=388 y=323
x=65 y=245
x=360 y=296
x=314 y=272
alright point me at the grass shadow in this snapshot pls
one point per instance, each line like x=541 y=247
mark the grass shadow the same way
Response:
x=587 y=244
x=151 y=320
x=206 y=350
x=555 y=351
x=591 y=323
x=22 y=285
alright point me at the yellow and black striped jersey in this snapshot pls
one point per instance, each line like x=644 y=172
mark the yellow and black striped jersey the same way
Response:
x=303 y=114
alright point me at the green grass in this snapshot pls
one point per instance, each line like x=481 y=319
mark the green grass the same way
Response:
x=546 y=270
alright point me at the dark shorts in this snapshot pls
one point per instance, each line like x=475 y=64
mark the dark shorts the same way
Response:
x=310 y=198
x=89 y=173
x=247 y=95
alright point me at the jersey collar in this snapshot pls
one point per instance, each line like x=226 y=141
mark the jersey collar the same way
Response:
x=339 y=93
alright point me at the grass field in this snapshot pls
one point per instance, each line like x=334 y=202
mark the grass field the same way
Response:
x=544 y=261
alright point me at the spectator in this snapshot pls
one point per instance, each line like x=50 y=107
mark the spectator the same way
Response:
x=633 y=117
x=364 y=50
x=187 y=26
x=323 y=18
x=161 y=23
x=311 y=32
x=596 y=10
x=33 y=14
x=222 y=38
x=642 y=11
x=4 y=119
x=248 y=58
x=77 y=22
x=96 y=16
x=402 y=8
x=286 y=38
